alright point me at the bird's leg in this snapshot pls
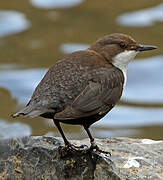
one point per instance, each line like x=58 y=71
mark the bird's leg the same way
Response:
x=93 y=144
x=89 y=135
x=67 y=143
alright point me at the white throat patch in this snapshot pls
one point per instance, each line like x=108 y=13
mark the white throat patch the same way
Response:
x=122 y=59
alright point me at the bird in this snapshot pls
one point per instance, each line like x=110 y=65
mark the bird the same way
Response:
x=85 y=85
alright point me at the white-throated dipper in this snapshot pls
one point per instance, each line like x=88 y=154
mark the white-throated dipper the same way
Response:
x=85 y=85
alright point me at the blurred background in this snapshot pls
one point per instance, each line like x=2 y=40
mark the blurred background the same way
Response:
x=35 y=34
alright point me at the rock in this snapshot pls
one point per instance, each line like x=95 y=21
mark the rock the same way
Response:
x=32 y=158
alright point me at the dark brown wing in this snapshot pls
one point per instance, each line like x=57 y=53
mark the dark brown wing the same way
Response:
x=99 y=96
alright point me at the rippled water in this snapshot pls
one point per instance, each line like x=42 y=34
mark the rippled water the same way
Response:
x=138 y=88
x=145 y=81
x=16 y=130
x=39 y=36
x=21 y=83
x=71 y=47
x=140 y=18
x=12 y=22
x=55 y=3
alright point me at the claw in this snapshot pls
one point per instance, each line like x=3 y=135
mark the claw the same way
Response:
x=81 y=146
x=96 y=148
x=70 y=149
x=76 y=148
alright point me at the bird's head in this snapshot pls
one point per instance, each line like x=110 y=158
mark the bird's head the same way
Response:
x=119 y=49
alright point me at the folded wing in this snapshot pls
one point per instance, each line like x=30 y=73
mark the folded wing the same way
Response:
x=98 y=97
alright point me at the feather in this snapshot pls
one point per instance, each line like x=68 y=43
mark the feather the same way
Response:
x=28 y=112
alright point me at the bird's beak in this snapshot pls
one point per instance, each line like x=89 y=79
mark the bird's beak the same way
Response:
x=146 y=48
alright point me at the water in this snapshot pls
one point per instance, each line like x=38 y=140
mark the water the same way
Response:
x=71 y=47
x=34 y=37
x=16 y=130
x=50 y=4
x=141 y=18
x=20 y=82
x=145 y=82
x=12 y=22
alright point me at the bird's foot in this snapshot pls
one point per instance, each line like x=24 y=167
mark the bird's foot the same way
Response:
x=71 y=149
x=80 y=147
x=95 y=148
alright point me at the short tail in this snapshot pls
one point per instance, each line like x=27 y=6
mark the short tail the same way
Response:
x=15 y=115
x=28 y=111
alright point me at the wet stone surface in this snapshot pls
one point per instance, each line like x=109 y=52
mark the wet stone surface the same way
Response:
x=40 y=157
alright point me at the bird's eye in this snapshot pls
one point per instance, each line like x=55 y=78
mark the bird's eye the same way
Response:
x=122 y=44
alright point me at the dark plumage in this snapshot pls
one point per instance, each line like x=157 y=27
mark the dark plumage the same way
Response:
x=82 y=87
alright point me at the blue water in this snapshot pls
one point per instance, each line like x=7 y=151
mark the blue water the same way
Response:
x=16 y=130
x=141 y=18
x=145 y=76
x=50 y=4
x=144 y=85
x=12 y=22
